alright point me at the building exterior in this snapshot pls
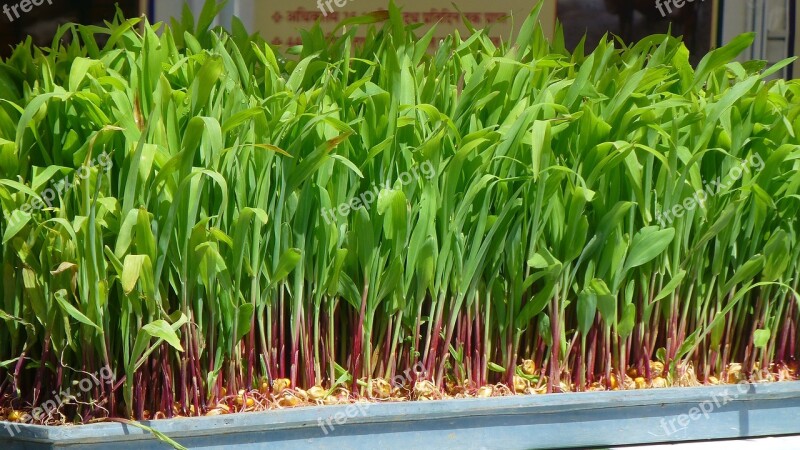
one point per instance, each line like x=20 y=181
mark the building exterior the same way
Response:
x=705 y=24
x=716 y=21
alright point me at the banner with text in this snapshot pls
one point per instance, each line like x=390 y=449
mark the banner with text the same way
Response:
x=279 y=23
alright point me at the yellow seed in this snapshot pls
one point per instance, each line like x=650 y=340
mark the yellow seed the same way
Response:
x=301 y=394
x=289 y=400
x=735 y=374
x=239 y=400
x=640 y=383
x=659 y=382
x=520 y=384
x=792 y=367
x=381 y=388
x=656 y=368
x=628 y=383
x=485 y=391
x=713 y=380
x=280 y=384
x=614 y=384
x=15 y=416
x=317 y=393
x=528 y=367
x=215 y=412
x=424 y=388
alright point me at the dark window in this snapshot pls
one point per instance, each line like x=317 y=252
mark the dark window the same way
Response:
x=41 y=22
x=634 y=19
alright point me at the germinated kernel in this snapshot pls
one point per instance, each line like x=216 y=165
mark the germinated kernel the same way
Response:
x=485 y=391
x=381 y=388
x=520 y=384
x=656 y=368
x=301 y=394
x=424 y=388
x=223 y=407
x=640 y=383
x=317 y=393
x=628 y=383
x=288 y=400
x=528 y=367
x=596 y=386
x=659 y=382
x=793 y=367
x=613 y=382
x=239 y=401
x=280 y=384
x=735 y=374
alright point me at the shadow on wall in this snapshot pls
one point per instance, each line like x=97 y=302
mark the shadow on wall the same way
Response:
x=41 y=21
x=632 y=20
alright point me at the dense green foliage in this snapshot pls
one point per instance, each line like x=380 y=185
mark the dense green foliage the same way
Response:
x=520 y=214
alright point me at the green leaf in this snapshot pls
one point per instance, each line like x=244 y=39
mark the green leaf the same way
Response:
x=161 y=329
x=16 y=223
x=132 y=270
x=721 y=56
x=745 y=273
x=587 y=309
x=72 y=311
x=625 y=326
x=495 y=367
x=761 y=338
x=245 y=318
x=606 y=302
x=671 y=286
x=777 y=252
x=647 y=244
x=287 y=263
